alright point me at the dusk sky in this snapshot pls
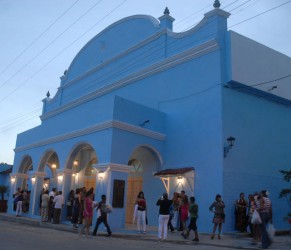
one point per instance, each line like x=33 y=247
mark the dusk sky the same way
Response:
x=39 y=40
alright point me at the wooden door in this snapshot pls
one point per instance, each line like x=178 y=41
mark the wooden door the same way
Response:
x=90 y=183
x=134 y=186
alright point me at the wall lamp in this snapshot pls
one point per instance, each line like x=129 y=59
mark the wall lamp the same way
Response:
x=230 y=144
x=144 y=123
x=60 y=177
x=12 y=179
x=101 y=175
x=33 y=179
x=76 y=163
x=180 y=180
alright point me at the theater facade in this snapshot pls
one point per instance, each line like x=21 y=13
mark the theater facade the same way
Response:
x=142 y=107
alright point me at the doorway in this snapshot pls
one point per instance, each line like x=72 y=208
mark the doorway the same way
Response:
x=134 y=186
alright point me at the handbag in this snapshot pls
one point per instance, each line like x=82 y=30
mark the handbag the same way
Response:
x=271 y=230
x=256 y=218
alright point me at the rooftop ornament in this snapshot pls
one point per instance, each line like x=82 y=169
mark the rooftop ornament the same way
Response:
x=166 y=12
x=216 y=4
x=48 y=94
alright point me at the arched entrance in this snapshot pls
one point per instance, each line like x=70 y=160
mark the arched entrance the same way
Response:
x=25 y=166
x=145 y=160
x=49 y=164
x=80 y=161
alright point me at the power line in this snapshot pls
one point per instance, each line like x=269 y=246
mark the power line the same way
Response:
x=59 y=54
x=264 y=12
x=35 y=40
x=50 y=43
x=111 y=72
x=278 y=79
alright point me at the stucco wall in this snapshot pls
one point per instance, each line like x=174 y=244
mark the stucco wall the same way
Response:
x=263 y=132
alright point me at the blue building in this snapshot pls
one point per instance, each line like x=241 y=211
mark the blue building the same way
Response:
x=144 y=108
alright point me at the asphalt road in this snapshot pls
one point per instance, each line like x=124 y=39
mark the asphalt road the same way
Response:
x=20 y=236
x=15 y=235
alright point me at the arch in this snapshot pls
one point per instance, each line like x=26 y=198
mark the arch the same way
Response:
x=80 y=159
x=26 y=164
x=50 y=159
x=74 y=154
x=155 y=153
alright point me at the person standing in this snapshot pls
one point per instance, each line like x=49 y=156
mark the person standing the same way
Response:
x=141 y=211
x=76 y=208
x=193 y=210
x=19 y=204
x=69 y=204
x=219 y=215
x=176 y=202
x=103 y=216
x=184 y=208
x=241 y=213
x=44 y=206
x=59 y=204
x=265 y=211
x=164 y=215
x=87 y=212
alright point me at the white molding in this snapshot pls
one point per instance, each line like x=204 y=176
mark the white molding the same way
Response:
x=19 y=175
x=170 y=62
x=113 y=167
x=37 y=174
x=92 y=129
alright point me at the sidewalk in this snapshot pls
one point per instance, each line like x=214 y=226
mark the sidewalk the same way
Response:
x=231 y=241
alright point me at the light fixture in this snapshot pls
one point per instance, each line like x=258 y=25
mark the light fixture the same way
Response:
x=180 y=180
x=12 y=179
x=76 y=162
x=33 y=179
x=230 y=144
x=60 y=177
x=144 y=123
x=101 y=175
x=54 y=165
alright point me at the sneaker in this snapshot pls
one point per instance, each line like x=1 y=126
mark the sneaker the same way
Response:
x=195 y=239
x=139 y=232
x=144 y=232
x=108 y=235
x=93 y=234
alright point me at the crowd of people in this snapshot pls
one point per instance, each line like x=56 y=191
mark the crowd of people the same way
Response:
x=258 y=205
x=21 y=201
x=180 y=213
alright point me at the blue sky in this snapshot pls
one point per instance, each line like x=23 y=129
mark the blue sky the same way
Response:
x=39 y=39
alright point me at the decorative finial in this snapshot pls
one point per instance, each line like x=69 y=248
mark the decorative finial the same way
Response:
x=216 y=4
x=166 y=12
x=48 y=94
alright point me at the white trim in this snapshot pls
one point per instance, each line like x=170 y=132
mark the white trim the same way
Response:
x=19 y=175
x=170 y=62
x=103 y=167
x=95 y=128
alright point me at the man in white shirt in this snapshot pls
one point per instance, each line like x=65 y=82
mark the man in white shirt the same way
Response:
x=59 y=203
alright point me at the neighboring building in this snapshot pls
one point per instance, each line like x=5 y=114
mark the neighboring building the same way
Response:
x=5 y=171
x=139 y=99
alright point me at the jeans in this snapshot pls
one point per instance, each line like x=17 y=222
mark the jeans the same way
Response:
x=163 y=226
x=266 y=241
x=141 y=216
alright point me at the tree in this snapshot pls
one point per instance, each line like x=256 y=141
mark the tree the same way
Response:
x=3 y=190
x=286 y=192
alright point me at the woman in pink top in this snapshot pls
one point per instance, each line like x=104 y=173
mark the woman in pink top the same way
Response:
x=87 y=212
x=184 y=207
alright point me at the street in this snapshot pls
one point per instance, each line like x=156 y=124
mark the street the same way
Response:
x=15 y=235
